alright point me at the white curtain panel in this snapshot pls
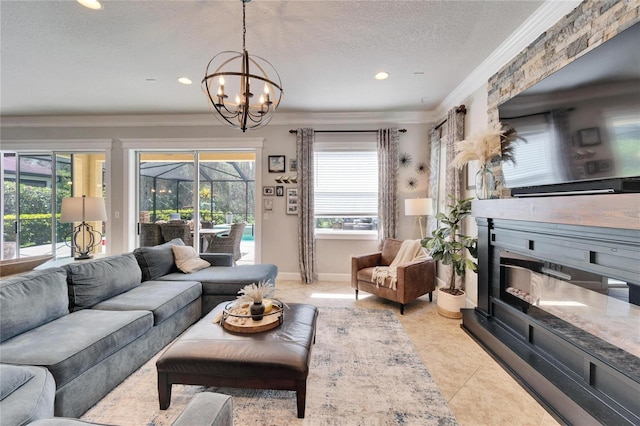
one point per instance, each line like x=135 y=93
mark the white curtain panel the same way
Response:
x=306 y=237
x=388 y=161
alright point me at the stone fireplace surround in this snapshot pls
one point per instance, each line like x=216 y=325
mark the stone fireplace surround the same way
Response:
x=580 y=378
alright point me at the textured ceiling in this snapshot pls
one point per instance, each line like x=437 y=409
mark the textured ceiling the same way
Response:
x=59 y=58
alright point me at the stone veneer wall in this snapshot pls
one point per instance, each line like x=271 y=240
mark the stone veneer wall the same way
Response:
x=590 y=24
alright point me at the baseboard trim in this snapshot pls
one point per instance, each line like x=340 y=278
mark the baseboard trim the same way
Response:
x=295 y=276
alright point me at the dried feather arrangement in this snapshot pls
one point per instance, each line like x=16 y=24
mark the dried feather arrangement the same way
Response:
x=256 y=292
x=497 y=141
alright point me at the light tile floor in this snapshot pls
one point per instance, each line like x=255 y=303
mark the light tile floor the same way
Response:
x=477 y=389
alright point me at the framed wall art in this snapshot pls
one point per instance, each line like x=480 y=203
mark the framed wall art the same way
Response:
x=589 y=137
x=269 y=191
x=280 y=191
x=277 y=164
x=292 y=200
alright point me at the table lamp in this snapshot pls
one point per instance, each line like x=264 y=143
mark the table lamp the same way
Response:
x=83 y=236
x=418 y=207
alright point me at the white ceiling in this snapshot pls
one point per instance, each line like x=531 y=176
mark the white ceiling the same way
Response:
x=60 y=58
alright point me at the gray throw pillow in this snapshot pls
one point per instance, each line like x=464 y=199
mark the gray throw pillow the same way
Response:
x=157 y=261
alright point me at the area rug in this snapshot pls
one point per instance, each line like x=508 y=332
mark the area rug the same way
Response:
x=364 y=371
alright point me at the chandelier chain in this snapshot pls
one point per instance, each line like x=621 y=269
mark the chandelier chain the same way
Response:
x=244 y=25
x=239 y=112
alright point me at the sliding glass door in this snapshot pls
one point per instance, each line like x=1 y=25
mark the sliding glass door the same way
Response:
x=34 y=185
x=222 y=192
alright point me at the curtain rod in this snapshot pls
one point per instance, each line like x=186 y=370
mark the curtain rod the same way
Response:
x=346 y=131
x=461 y=109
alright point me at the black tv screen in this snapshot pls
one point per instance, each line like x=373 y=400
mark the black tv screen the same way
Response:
x=581 y=124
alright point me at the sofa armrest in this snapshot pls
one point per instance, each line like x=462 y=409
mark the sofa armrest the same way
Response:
x=367 y=260
x=218 y=259
x=419 y=277
x=207 y=409
x=363 y=261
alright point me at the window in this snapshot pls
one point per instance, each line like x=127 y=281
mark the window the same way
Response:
x=346 y=184
x=34 y=185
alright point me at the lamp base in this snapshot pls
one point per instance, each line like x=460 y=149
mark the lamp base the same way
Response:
x=83 y=256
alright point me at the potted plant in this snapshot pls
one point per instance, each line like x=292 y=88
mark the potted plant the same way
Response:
x=448 y=245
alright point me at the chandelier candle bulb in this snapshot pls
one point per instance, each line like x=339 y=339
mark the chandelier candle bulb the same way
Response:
x=266 y=93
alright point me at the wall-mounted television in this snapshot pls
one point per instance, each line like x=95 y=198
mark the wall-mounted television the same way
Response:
x=581 y=125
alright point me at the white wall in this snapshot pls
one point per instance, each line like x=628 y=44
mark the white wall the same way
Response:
x=278 y=230
x=476 y=121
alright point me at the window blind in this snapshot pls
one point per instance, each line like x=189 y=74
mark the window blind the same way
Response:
x=346 y=179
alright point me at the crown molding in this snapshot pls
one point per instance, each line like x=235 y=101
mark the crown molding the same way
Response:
x=193 y=120
x=540 y=21
x=56 y=144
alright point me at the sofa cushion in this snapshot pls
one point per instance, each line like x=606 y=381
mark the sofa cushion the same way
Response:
x=157 y=261
x=30 y=300
x=72 y=344
x=32 y=400
x=227 y=279
x=97 y=280
x=187 y=260
x=163 y=298
x=11 y=378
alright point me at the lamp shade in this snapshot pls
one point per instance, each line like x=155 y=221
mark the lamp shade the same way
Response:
x=81 y=209
x=418 y=206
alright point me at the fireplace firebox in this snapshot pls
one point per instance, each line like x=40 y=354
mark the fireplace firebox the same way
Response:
x=559 y=301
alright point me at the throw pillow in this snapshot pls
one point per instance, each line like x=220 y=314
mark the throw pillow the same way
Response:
x=187 y=260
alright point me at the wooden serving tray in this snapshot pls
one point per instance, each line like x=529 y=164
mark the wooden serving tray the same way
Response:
x=245 y=324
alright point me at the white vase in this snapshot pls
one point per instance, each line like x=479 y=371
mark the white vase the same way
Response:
x=449 y=305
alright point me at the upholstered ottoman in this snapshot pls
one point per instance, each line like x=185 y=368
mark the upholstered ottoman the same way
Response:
x=209 y=355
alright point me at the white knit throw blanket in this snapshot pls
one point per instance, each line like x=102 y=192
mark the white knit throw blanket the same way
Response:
x=410 y=251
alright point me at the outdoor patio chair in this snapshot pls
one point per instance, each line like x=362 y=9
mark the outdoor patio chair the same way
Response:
x=227 y=243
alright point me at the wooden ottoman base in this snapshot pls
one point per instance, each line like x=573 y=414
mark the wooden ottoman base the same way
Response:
x=209 y=355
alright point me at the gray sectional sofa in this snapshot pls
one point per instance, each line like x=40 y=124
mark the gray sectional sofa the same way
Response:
x=85 y=327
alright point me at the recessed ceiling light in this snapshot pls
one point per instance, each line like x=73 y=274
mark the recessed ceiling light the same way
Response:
x=91 y=4
x=382 y=75
x=184 y=80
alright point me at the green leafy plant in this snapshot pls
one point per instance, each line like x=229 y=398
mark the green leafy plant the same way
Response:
x=448 y=244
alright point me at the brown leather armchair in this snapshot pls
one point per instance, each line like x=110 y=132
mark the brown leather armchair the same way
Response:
x=413 y=279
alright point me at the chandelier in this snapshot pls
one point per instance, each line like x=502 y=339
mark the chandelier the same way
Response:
x=239 y=73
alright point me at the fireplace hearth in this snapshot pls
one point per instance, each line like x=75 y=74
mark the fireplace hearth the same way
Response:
x=558 y=296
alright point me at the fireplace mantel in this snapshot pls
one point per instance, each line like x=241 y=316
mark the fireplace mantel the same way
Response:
x=594 y=233
x=620 y=211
